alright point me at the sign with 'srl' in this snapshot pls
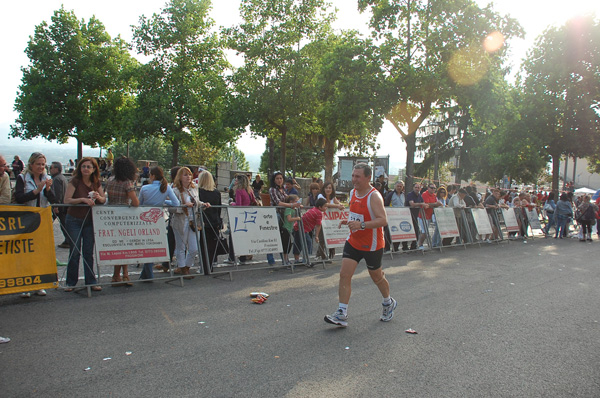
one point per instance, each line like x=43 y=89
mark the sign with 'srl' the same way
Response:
x=130 y=235
x=27 y=256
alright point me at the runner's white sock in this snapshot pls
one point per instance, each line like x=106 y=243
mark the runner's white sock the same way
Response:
x=344 y=308
x=387 y=300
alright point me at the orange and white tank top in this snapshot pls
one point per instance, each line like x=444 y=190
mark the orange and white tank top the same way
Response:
x=360 y=209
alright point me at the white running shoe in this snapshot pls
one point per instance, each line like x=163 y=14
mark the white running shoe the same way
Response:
x=4 y=340
x=41 y=292
x=388 y=311
x=337 y=318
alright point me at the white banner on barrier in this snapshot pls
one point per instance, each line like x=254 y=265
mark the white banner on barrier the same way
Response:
x=255 y=230
x=482 y=221
x=534 y=219
x=400 y=224
x=334 y=236
x=127 y=235
x=446 y=222
x=510 y=220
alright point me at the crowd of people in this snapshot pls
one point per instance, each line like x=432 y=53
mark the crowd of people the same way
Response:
x=39 y=186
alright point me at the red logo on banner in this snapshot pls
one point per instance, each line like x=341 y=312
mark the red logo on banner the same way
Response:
x=151 y=215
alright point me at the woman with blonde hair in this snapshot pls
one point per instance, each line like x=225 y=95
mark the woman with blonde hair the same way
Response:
x=213 y=223
x=83 y=189
x=184 y=223
x=33 y=188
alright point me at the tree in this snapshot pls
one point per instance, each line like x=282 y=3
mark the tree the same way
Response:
x=351 y=96
x=275 y=70
x=182 y=89
x=561 y=85
x=304 y=157
x=76 y=85
x=429 y=49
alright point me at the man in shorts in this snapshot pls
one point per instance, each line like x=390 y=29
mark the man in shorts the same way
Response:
x=366 y=241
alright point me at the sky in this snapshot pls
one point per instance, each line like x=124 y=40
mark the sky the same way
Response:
x=19 y=18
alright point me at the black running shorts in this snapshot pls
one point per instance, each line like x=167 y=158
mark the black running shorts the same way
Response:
x=373 y=259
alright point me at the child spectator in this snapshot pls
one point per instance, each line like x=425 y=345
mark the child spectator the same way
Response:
x=289 y=218
x=311 y=220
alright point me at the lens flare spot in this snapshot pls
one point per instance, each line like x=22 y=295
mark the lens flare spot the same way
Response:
x=493 y=42
x=468 y=66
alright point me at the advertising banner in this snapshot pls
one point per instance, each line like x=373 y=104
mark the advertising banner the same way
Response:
x=27 y=256
x=482 y=221
x=446 y=222
x=510 y=220
x=334 y=236
x=255 y=230
x=534 y=219
x=400 y=224
x=130 y=235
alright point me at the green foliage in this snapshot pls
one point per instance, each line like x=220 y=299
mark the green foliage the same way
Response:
x=151 y=148
x=309 y=158
x=431 y=50
x=276 y=74
x=76 y=85
x=561 y=85
x=182 y=89
x=201 y=152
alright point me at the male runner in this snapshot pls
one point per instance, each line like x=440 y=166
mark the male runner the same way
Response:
x=366 y=221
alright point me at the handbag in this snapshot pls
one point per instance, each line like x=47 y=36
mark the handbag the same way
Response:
x=254 y=201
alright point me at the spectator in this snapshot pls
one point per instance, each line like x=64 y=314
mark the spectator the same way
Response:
x=291 y=187
x=155 y=193
x=414 y=200
x=17 y=166
x=184 y=222
x=492 y=202
x=278 y=194
x=429 y=203
x=243 y=197
x=146 y=170
x=311 y=221
x=110 y=158
x=549 y=208
x=34 y=188
x=395 y=198
x=84 y=189
x=327 y=193
x=120 y=190
x=59 y=187
x=213 y=223
x=257 y=185
x=4 y=182
x=442 y=198
x=588 y=212
x=314 y=192
x=564 y=211
x=289 y=218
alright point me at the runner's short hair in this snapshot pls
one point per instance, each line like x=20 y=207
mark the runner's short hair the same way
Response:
x=365 y=168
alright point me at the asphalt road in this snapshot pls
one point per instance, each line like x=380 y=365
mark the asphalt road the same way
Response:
x=507 y=320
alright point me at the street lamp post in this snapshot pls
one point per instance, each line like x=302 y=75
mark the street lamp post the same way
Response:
x=453 y=129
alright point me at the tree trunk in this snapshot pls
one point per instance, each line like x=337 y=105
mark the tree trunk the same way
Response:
x=329 y=154
x=282 y=150
x=555 y=173
x=411 y=147
x=175 y=160
x=79 y=150
x=271 y=168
